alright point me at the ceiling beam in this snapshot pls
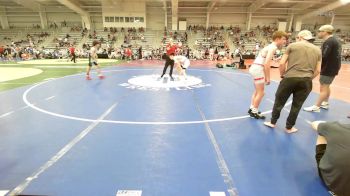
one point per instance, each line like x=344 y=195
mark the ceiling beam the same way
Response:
x=211 y=5
x=329 y=7
x=3 y=18
x=302 y=6
x=76 y=7
x=256 y=5
x=174 y=13
x=165 y=7
x=29 y=4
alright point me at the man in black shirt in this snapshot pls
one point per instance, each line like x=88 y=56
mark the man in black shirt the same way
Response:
x=333 y=155
x=331 y=62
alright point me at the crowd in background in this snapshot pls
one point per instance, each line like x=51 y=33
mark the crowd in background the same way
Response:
x=212 y=46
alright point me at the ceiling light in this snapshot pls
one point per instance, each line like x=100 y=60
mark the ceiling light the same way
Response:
x=345 y=1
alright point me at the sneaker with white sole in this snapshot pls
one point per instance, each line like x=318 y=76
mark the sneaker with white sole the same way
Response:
x=256 y=115
x=312 y=109
x=324 y=105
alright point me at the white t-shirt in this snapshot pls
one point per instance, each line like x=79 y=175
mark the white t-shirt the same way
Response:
x=184 y=61
x=261 y=58
x=222 y=53
x=211 y=51
x=257 y=47
x=93 y=54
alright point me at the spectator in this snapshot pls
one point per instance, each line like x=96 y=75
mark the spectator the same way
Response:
x=331 y=62
x=333 y=155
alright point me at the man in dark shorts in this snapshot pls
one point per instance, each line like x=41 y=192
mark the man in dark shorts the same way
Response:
x=170 y=51
x=333 y=155
x=331 y=62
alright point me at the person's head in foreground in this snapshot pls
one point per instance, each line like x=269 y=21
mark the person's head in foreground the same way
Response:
x=280 y=38
x=304 y=35
x=325 y=31
x=96 y=44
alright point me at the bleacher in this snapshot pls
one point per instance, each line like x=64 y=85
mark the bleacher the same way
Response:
x=6 y=36
x=74 y=37
x=152 y=39
x=203 y=41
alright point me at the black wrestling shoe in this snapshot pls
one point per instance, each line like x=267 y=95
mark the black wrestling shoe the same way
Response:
x=171 y=78
x=256 y=115
x=250 y=111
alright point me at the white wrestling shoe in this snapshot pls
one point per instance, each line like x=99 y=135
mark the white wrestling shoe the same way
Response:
x=325 y=105
x=312 y=109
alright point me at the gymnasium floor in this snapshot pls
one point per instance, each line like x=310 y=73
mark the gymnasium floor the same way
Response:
x=69 y=136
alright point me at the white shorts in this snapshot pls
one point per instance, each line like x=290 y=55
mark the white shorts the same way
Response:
x=186 y=64
x=257 y=71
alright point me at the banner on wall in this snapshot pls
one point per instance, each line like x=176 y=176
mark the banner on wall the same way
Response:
x=282 y=26
x=182 y=25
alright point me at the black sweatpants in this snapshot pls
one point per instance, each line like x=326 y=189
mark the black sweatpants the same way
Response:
x=73 y=58
x=320 y=150
x=300 y=88
x=168 y=62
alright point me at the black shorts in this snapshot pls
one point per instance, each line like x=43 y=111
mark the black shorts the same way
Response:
x=320 y=150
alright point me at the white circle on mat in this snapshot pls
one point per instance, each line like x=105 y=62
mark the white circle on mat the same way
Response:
x=155 y=81
x=31 y=105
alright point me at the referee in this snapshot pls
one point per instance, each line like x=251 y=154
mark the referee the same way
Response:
x=170 y=51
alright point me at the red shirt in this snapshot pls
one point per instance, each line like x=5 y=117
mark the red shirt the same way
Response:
x=128 y=52
x=171 y=49
x=72 y=50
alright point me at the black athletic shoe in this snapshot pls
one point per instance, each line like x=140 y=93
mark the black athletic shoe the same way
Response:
x=250 y=111
x=171 y=78
x=257 y=115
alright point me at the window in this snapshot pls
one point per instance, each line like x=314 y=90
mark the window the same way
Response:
x=123 y=19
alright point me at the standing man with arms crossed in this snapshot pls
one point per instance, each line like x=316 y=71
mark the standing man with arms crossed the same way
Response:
x=331 y=62
x=304 y=63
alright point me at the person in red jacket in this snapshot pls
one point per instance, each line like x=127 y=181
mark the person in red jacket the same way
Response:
x=170 y=51
x=72 y=53
x=128 y=54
